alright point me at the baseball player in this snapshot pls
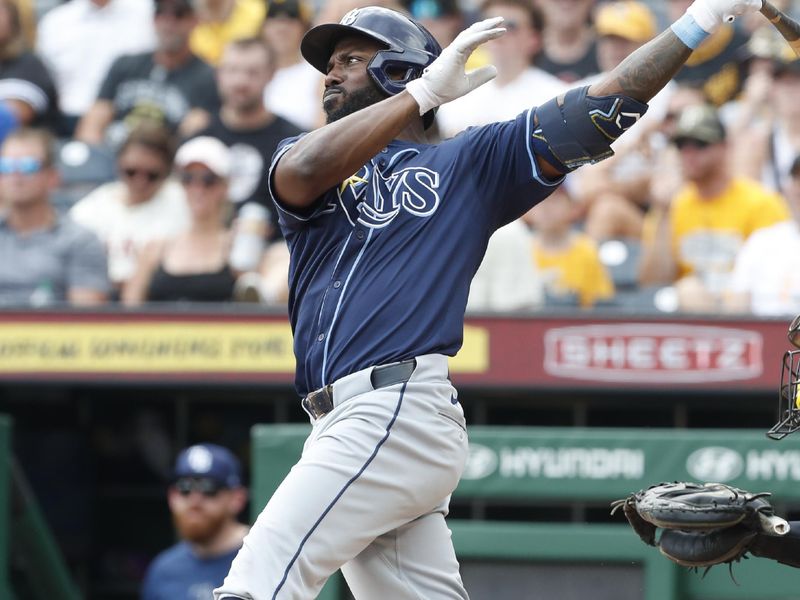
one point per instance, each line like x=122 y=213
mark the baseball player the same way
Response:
x=385 y=233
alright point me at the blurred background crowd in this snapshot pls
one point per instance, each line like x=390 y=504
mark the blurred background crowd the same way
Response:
x=135 y=139
x=137 y=134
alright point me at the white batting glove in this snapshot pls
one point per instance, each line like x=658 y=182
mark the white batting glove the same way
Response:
x=444 y=79
x=710 y=14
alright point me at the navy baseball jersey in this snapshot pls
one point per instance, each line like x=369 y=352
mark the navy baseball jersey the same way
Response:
x=179 y=574
x=381 y=265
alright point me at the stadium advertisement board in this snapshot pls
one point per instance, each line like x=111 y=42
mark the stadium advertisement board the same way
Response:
x=534 y=351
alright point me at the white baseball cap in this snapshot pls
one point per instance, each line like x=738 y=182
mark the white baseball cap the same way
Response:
x=208 y=151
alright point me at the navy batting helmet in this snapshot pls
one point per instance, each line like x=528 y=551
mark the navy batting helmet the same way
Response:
x=409 y=46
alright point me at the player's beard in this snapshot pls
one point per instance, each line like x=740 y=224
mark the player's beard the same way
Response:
x=198 y=526
x=354 y=101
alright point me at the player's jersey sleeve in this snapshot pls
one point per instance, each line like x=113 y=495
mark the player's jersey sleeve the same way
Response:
x=501 y=159
x=290 y=218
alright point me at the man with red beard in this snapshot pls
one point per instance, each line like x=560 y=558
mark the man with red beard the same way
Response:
x=205 y=498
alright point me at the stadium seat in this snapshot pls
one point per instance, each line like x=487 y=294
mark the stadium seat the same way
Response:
x=83 y=168
x=621 y=258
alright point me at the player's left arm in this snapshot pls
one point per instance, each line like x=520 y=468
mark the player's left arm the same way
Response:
x=634 y=81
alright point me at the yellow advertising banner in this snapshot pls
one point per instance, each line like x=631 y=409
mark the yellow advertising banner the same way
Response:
x=163 y=347
x=146 y=347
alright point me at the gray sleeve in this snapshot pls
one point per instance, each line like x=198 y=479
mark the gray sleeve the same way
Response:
x=87 y=265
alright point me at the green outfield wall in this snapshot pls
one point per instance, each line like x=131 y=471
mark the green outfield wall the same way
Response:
x=587 y=465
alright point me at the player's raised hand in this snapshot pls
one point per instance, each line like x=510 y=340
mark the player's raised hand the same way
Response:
x=710 y=14
x=445 y=79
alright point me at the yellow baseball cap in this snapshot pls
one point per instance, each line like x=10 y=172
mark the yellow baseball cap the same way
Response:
x=629 y=20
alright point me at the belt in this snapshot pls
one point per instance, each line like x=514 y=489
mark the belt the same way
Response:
x=320 y=402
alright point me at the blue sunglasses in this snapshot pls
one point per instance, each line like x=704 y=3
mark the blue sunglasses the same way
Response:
x=26 y=165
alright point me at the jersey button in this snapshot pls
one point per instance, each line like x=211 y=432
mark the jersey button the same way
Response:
x=337 y=284
x=382 y=163
x=320 y=337
x=360 y=234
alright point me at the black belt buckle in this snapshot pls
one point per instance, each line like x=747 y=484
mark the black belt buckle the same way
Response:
x=320 y=402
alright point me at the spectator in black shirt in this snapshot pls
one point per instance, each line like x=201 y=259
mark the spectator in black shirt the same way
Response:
x=27 y=92
x=245 y=126
x=171 y=85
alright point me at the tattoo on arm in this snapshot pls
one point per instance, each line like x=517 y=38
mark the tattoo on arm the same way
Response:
x=788 y=27
x=642 y=75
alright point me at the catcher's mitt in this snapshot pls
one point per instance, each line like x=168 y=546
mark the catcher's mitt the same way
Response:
x=701 y=524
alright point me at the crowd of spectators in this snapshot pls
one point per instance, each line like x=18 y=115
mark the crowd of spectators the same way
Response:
x=136 y=137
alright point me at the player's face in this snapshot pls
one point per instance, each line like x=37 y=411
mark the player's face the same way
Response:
x=199 y=517
x=242 y=75
x=348 y=86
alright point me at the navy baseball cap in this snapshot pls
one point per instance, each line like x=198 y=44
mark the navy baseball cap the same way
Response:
x=209 y=461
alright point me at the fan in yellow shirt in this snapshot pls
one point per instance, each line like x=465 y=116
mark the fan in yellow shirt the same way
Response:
x=222 y=21
x=693 y=236
x=568 y=259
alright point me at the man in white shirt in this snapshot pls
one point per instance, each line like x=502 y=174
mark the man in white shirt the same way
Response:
x=80 y=39
x=518 y=86
x=766 y=274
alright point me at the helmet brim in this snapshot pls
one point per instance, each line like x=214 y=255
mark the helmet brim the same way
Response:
x=318 y=42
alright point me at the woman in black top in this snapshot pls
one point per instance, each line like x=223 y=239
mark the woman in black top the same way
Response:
x=193 y=266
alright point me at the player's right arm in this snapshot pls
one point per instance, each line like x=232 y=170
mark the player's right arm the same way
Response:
x=327 y=156
x=330 y=154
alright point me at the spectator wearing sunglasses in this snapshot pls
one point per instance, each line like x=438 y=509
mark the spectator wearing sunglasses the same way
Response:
x=144 y=204
x=692 y=234
x=205 y=499
x=193 y=266
x=46 y=258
